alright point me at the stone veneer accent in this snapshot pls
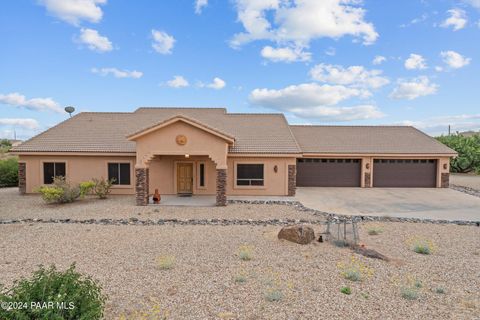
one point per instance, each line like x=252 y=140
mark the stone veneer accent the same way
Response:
x=22 y=177
x=221 y=199
x=292 y=179
x=445 y=182
x=368 y=179
x=141 y=186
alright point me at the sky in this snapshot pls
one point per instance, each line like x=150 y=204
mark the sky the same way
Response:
x=331 y=62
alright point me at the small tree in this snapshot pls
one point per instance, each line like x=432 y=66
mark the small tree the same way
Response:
x=102 y=187
x=9 y=172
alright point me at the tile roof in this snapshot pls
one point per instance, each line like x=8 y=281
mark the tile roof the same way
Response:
x=367 y=140
x=108 y=131
x=253 y=133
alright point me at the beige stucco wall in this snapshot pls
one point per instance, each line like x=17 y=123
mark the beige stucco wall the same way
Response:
x=163 y=142
x=275 y=184
x=78 y=169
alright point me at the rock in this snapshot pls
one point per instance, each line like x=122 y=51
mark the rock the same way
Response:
x=298 y=233
x=370 y=253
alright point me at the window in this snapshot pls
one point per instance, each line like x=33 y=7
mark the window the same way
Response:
x=51 y=170
x=249 y=174
x=201 y=171
x=119 y=172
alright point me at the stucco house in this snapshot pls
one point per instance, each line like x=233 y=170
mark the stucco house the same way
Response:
x=208 y=151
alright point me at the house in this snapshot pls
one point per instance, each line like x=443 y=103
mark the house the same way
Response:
x=208 y=151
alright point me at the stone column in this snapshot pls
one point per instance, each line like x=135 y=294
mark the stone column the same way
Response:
x=368 y=179
x=221 y=187
x=22 y=177
x=292 y=179
x=141 y=186
x=445 y=180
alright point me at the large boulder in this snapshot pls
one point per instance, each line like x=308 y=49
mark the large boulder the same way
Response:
x=299 y=234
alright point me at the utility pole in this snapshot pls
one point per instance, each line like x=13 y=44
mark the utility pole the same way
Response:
x=448 y=129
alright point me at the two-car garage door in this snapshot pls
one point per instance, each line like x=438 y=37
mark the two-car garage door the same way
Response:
x=347 y=172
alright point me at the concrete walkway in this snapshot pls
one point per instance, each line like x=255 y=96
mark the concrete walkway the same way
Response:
x=424 y=203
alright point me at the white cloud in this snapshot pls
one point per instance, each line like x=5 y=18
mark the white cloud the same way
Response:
x=415 y=61
x=162 y=42
x=439 y=125
x=285 y=54
x=355 y=76
x=38 y=104
x=25 y=122
x=178 y=82
x=118 y=73
x=457 y=19
x=304 y=95
x=94 y=40
x=297 y=22
x=74 y=11
x=338 y=114
x=199 y=4
x=414 y=88
x=473 y=3
x=216 y=84
x=454 y=59
x=379 y=60
x=331 y=51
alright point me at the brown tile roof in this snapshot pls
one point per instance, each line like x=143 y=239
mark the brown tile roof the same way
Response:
x=367 y=140
x=107 y=131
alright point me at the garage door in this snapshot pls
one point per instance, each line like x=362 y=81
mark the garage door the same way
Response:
x=328 y=172
x=404 y=173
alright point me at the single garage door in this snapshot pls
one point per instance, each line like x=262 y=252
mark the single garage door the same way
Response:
x=328 y=172
x=405 y=173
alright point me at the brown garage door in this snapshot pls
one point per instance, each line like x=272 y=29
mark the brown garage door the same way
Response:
x=405 y=173
x=328 y=172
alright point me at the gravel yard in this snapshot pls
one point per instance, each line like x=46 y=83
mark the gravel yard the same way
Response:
x=15 y=206
x=201 y=284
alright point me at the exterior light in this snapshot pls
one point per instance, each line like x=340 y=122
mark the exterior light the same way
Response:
x=275 y=168
x=187 y=156
x=367 y=165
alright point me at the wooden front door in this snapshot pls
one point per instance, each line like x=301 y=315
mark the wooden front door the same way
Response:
x=184 y=177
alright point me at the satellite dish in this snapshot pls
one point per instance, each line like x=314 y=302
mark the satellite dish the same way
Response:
x=70 y=110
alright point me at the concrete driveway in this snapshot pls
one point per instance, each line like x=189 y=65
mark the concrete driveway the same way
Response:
x=445 y=204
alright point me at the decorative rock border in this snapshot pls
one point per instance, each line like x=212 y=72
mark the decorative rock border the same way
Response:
x=467 y=190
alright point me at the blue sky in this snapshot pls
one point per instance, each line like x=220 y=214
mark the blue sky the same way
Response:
x=347 y=62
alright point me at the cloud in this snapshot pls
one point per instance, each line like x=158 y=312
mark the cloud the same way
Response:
x=355 y=76
x=412 y=22
x=24 y=123
x=297 y=22
x=216 y=84
x=199 y=4
x=285 y=54
x=74 y=11
x=439 y=125
x=454 y=59
x=178 y=82
x=304 y=95
x=415 y=61
x=37 y=104
x=94 y=40
x=338 y=114
x=473 y=3
x=457 y=19
x=118 y=73
x=162 y=42
x=414 y=88
x=378 y=60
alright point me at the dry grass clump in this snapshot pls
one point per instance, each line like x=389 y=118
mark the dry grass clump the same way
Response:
x=375 y=230
x=165 y=262
x=421 y=245
x=245 y=253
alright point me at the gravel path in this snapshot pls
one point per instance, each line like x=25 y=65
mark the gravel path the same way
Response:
x=15 y=206
x=201 y=284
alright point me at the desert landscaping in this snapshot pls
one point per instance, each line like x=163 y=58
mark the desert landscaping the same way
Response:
x=231 y=271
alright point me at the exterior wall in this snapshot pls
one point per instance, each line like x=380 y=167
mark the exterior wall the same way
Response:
x=163 y=142
x=78 y=169
x=163 y=171
x=275 y=183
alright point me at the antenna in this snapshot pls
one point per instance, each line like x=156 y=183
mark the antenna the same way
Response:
x=70 y=110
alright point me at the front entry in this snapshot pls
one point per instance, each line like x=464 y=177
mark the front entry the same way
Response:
x=184 y=178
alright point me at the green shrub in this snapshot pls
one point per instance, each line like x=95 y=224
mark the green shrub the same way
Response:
x=468 y=149
x=245 y=253
x=240 y=278
x=346 y=290
x=73 y=296
x=422 y=248
x=165 y=262
x=86 y=187
x=440 y=290
x=9 y=172
x=410 y=293
x=374 y=231
x=273 y=295
x=60 y=191
x=102 y=187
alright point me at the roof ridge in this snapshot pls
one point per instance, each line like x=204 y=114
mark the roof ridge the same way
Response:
x=352 y=126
